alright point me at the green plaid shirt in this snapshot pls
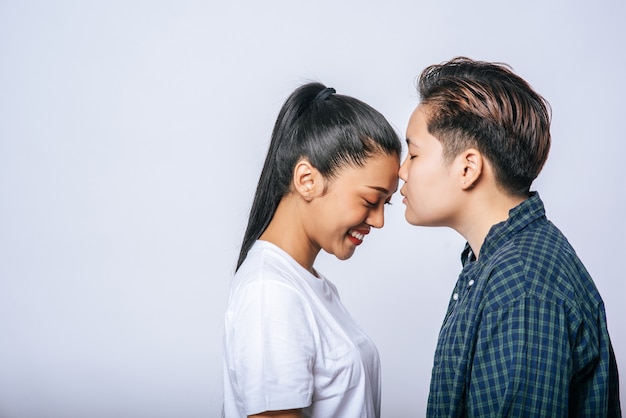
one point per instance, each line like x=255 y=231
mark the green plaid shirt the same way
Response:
x=525 y=334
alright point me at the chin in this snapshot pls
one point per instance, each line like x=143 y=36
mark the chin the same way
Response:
x=410 y=218
x=344 y=255
x=416 y=221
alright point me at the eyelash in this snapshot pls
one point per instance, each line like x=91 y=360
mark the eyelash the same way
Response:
x=373 y=205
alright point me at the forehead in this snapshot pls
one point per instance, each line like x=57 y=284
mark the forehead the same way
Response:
x=418 y=118
x=417 y=129
x=379 y=172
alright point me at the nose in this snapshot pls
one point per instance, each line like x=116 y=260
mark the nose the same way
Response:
x=403 y=172
x=376 y=217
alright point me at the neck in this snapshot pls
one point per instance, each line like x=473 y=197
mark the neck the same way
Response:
x=287 y=232
x=487 y=209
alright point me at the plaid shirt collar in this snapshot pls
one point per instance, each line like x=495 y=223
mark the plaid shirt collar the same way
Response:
x=520 y=216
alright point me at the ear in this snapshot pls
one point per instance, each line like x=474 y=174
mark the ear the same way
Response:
x=308 y=182
x=471 y=161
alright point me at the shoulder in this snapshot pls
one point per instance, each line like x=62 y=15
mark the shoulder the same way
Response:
x=269 y=280
x=266 y=262
x=539 y=262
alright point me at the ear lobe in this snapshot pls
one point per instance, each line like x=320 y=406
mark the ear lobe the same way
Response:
x=472 y=165
x=306 y=179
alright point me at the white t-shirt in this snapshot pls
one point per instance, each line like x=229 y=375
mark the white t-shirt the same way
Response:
x=290 y=343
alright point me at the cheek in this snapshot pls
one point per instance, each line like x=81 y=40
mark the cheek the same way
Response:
x=347 y=208
x=417 y=178
x=337 y=219
x=427 y=176
x=351 y=215
x=425 y=191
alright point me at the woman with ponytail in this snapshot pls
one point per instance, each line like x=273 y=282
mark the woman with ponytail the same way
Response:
x=290 y=347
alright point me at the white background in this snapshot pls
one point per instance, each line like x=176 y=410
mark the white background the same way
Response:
x=132 y=134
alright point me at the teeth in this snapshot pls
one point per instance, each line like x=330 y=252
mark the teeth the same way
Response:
x=357 y=235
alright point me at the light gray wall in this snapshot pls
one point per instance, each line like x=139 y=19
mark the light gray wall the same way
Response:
x=132 y=134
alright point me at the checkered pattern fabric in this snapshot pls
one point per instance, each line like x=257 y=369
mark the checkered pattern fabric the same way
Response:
x=525 y=333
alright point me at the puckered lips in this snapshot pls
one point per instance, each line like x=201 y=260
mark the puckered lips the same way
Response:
x=403 y=194
x=356 y=235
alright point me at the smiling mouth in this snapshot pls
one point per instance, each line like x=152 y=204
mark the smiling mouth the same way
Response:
x=356 y=237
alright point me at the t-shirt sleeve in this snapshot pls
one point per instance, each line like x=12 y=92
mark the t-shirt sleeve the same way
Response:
x=271 y=341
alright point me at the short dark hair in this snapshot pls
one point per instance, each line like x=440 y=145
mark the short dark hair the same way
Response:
x=331 y=131
x=485 y=105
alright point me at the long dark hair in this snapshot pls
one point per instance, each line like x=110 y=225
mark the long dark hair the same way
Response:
x=328 y=129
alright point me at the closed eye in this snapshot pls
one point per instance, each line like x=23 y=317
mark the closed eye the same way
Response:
x=369 y=204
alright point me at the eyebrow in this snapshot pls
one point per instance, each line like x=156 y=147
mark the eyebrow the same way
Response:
x=409 y=142
x=380 y=189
